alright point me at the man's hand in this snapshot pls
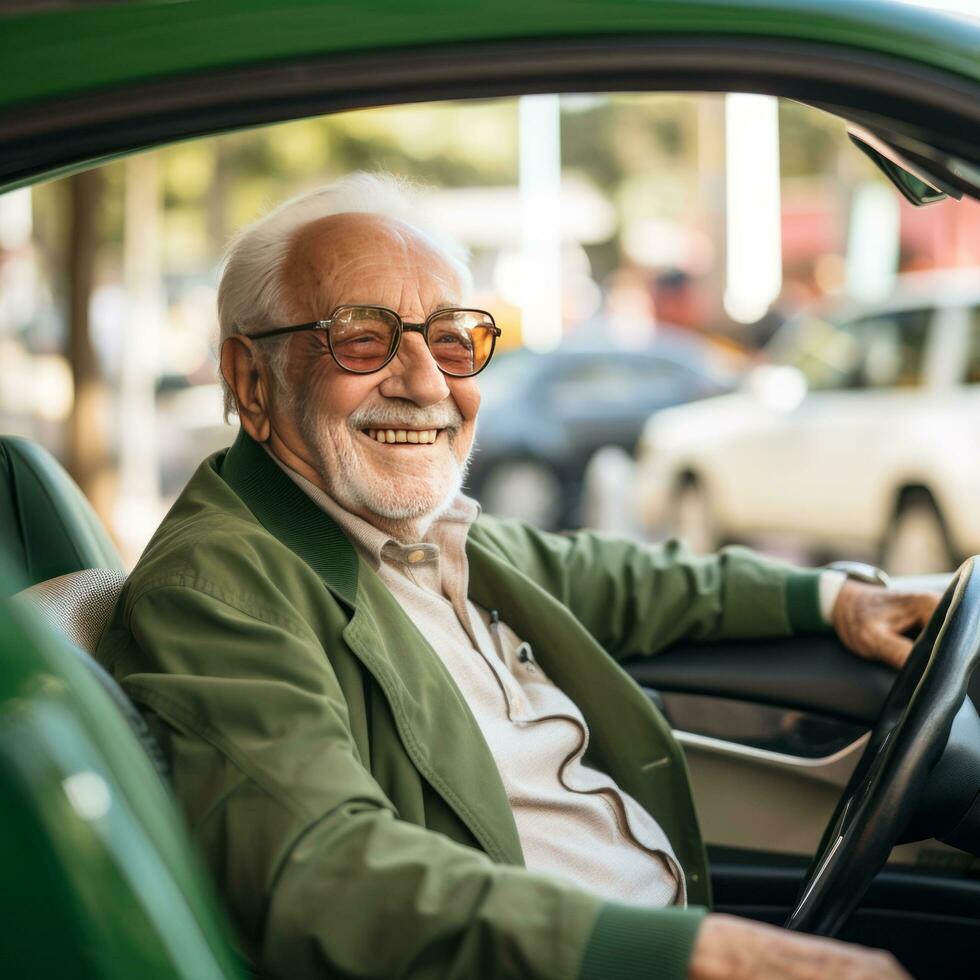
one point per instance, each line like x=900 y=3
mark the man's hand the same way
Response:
x=728 y=948
x=871 y=620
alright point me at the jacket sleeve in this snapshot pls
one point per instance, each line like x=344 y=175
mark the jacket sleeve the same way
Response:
x=321 y=876
x=638 y=598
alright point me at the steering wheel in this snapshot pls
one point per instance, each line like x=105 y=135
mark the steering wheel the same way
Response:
x=905 y=745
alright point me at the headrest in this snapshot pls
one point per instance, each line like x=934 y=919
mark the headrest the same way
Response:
x=48 y=527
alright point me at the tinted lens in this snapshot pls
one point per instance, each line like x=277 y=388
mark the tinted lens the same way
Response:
x=361 y=337
x=461 y=341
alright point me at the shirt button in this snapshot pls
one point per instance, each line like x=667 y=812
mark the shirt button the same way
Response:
x=416 y=556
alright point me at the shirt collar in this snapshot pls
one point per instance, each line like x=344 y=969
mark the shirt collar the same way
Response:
x=374 y=544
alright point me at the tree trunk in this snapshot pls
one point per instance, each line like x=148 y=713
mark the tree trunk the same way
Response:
x=88 y=453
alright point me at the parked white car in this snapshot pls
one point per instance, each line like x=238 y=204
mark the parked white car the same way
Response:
x=860 y=431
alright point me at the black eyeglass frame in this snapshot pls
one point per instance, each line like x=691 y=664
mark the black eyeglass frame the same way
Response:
x=400 y=330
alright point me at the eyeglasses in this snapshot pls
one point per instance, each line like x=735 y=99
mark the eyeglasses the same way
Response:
x=363 y=339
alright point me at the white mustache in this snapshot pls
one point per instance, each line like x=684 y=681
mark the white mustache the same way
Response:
x=445 y=415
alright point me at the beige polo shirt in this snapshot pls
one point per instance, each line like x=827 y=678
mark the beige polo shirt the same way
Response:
x=572 y=820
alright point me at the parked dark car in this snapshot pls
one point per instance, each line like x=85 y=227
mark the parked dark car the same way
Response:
x=544 y=416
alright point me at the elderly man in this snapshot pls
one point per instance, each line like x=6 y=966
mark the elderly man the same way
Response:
x=398 y=728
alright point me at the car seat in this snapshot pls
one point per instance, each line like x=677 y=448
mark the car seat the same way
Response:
x=99 y=878
x=51 y=527
x=54 y=544
x=100 y=882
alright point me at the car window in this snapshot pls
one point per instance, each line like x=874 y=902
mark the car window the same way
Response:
x=892 y=348
x=648 y=375
x=648 y=292
x=592 y=380
x=972 y=373
x=882 y=351
x=617 y=382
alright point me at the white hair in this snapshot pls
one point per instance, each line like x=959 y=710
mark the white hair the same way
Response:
x=251 y=293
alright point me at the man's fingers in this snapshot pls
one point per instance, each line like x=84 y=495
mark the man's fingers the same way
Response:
x=914 y=611
x=891 y=648
x=920 y=607
x=927 y=603
x=871 y=621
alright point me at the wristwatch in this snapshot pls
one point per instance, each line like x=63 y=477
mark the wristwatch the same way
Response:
x=861 y=572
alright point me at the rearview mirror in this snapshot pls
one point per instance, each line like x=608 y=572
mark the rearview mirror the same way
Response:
x=923 y=174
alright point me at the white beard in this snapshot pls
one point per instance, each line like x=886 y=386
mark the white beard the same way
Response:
x=402 y=499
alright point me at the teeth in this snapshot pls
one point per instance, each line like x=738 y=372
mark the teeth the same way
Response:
x=424 y=437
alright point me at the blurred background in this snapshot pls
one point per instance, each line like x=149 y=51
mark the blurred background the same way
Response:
x=718 y=318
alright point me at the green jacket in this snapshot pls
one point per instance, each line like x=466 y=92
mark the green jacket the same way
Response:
x=334 y=778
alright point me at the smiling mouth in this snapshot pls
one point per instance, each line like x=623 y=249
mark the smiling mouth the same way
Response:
x=405 y=437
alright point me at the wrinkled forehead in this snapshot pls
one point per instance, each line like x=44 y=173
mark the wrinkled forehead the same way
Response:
x=367 y=258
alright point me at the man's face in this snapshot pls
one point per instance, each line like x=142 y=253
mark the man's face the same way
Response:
x=335 y=416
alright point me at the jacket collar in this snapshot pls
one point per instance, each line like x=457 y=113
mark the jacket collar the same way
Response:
x=288 y=514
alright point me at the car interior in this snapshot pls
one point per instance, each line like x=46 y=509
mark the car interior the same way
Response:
x=871 y=827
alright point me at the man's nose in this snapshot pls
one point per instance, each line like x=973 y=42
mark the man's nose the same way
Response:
x=414 y=374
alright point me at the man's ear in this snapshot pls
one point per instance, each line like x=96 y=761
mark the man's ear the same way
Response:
x=241 y=371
